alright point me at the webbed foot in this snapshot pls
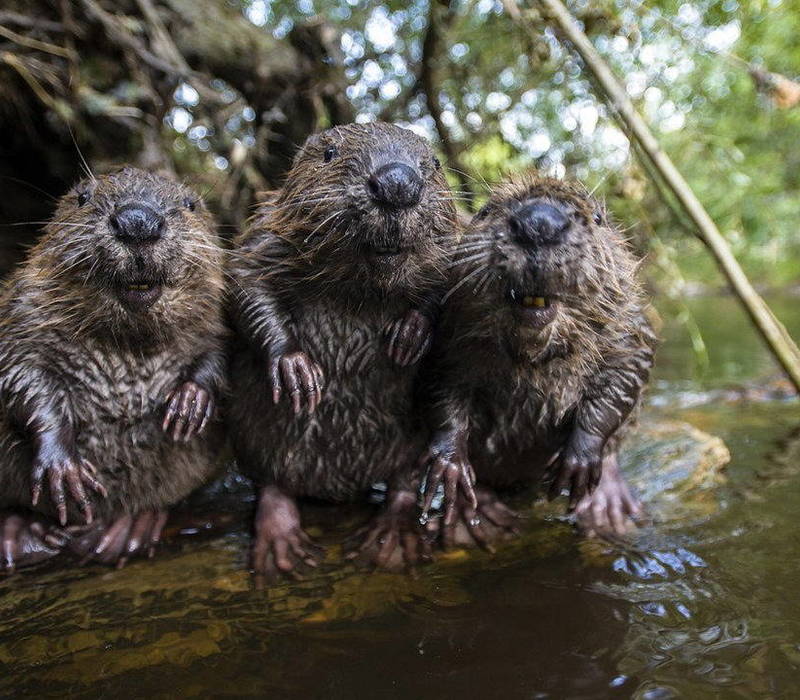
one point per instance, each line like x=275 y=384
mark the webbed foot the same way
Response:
x=281 y=547
x=393 y=539
x=611 y=508
x=115 y=542
x=28 y=540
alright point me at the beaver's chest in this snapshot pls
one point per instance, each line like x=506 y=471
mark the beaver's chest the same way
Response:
x=351 y=346
x=518 y=425
x=363 y=430
x=116 y=389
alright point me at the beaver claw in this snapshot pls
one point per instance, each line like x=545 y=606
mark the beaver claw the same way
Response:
x=189 y=408
x=298 y=375
x=281 y=547
x=60 y=465
x=125 y=537
x=580 y=467
x=27 y=541
x=449 y=470
x=409 y=338
x=393 y=538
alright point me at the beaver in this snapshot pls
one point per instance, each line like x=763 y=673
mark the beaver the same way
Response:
x=336 y=285
x=111 y=363
x=542 y=354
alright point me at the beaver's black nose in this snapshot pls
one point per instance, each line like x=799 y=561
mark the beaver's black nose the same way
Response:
x=538 y=223
x=137 y=223
x=395 y=185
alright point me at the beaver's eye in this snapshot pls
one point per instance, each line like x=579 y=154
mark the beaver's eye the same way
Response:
x=83 y=197
x=437 y=163
x=190 y=204
x=598 y=217
x=330 y=152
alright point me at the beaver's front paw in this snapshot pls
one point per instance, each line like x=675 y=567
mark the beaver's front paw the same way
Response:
x=189 y=408
x=299 y=376
x=409 y=338
x=28 y=540
x=448 y=474
x=60 y=465
x=579 y=467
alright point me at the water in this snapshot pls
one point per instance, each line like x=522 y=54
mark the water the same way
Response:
x=702 y=603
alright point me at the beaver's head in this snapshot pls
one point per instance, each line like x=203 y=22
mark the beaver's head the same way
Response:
x=546 y=260
x=366 y=203
x=135 y=245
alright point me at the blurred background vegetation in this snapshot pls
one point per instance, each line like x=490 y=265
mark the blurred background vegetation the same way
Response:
x=222 y=91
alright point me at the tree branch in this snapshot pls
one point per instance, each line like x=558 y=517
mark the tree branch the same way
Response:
x=771 y=330
x=429 y=83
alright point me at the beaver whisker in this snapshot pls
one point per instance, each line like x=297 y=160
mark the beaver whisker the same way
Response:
x=468 y=246
x=70 y=263
x=91 y=270
x=65 y=244
x=333 y=216
x=461 y=283
x=470 y=258
x=55 y=224
x=481 y=182
x=473 y=235
x=320 y=195
x=459 y=252
x=455 y=198
x=483 y=281
x=288 y=208
x=199 y=264
x=203 y=246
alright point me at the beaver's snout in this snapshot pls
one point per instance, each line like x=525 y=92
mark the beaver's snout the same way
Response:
x=538 y=223
x=136 y=224
x=396 y=185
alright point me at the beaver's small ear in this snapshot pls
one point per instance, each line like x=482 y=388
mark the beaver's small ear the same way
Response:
x=312 y=141
x=309 y=146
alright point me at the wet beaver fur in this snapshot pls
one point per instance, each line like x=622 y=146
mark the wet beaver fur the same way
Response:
x=540 y=360
x=336 y=286
x=111 y=360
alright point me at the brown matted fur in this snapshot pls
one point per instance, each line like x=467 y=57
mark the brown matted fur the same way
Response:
x=524 y=390
x=78 y=362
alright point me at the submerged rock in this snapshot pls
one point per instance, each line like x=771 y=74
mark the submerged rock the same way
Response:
x=674 y=467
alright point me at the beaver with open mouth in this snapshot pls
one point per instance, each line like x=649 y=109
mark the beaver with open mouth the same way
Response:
x=543 y=352
x=111 y=362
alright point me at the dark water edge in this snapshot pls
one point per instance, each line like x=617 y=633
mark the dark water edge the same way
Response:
x=701 y=603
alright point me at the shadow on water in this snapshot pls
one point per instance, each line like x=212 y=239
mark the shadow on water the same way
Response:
x=701 y=602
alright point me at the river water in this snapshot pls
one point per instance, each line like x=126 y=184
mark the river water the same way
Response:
x=700 y=604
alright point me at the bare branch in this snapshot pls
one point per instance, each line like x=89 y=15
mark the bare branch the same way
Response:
x=429 y=83
x=771 y=330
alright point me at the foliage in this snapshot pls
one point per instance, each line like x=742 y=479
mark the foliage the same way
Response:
x=509 y=104
x=494 y=100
